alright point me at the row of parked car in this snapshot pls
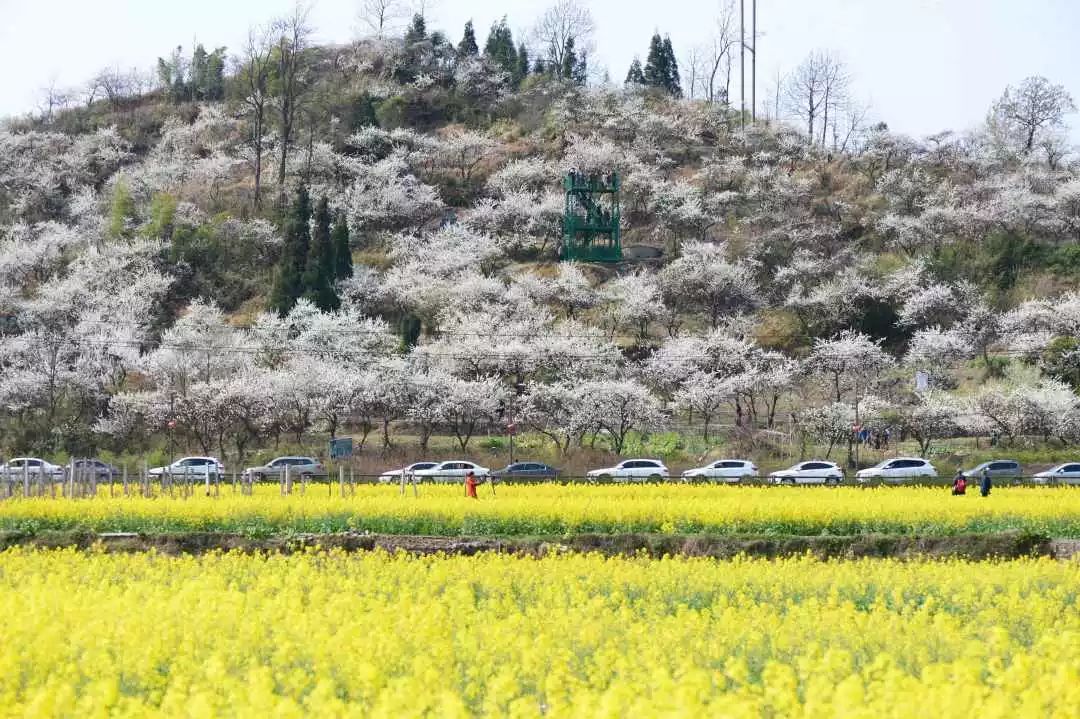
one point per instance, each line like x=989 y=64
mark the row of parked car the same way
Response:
x=897 y=469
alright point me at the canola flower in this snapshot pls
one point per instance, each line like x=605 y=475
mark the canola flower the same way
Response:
x=555 y=510
x=379 y=635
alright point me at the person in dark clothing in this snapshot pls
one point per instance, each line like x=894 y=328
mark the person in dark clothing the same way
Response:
x=959 y=485
x=984 y=483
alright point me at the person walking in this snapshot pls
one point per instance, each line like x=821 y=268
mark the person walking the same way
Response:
x=959 y=485
x=470 y=485
x=984 y=483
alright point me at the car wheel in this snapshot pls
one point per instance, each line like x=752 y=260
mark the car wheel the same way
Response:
x=789 y=481
x=655 y=477
x=832 y=481
x=259 y=477
x=605 y=478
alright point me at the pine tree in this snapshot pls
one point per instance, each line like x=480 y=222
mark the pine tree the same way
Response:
x=673 y=84
x=499 y=47
x=319 y=272
x=468 y=46
x=635 y=76
x=289 y=284
x=522 y=69
x=656 y=64
x=342 y=250
x=580 y=75
x=362 y=112
x=417 y=30
x=539 y=67
x=199 y=73
x=570 y=61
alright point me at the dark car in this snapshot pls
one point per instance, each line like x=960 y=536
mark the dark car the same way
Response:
x=526 y=471
x=101 y=470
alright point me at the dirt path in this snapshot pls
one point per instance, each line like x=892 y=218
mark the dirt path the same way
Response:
x=969 y=546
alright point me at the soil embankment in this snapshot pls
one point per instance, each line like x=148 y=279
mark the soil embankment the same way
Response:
x=964 y=546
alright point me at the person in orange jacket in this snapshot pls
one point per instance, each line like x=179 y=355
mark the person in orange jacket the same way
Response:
x=470 y=485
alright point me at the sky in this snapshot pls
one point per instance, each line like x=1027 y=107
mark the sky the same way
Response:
x=922 y=65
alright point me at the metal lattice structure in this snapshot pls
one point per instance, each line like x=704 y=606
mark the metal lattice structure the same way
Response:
x=591 y=221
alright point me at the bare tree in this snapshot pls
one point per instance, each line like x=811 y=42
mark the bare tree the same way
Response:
x=718 y=86
x=254 y=71
x=691 y=67
x=115 y=85
x=53 y=98
x=294 y=33
x=382 y=16
x=848 y=125
x=565 y=20
x=818 y=85
x=1032 y=107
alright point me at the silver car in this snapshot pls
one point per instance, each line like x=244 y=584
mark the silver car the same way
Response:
x=299 y=468
x=999 y=469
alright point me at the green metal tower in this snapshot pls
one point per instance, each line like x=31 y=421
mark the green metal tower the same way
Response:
x=591 y=222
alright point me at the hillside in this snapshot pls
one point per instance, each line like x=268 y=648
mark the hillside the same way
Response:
x=161 y=280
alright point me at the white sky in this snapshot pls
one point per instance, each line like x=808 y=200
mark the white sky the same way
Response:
x=923 y=65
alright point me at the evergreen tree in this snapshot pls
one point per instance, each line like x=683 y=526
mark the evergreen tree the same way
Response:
x=570 y=61
x=673 y=84
x=121 y=211
x=417 y=30
x=342 y=250
x=215 y=75
x=635 y=76
x=289 y=283
x=199 y=73
x=468 y=45
x=522 y=69
x=362 y=112
x=656 y=64
x=540 y=68
x=580 y=75
x=319 y=273
x=499 y=47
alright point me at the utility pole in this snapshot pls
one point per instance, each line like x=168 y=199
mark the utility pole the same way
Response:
x=743 y=48
x=742 y=63
x=753 y=61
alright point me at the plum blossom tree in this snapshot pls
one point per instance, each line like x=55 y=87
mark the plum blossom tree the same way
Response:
x=702 y=279
x=849 y=361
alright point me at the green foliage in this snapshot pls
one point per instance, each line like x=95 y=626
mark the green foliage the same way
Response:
x=1001 y=259
x=521 y=69
x=289 y=284
x=162 y=215
x=661 y=67
x=409 y=328
x=468 y=47
x=1061 y=360
x=343 y=265
x=318 y=277
x=121 y=211
x=361 y=112
x=635 y=75
x=500 y=49
x=417 y=30
x=211 y=261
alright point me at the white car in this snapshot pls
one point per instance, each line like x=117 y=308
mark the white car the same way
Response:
x=1068 y=473
x=31 y=467
x=394 y=475
x=632 y=470
x=196 y=467
x=812 y=472
x=451 y=471
x=898 y=469
x=727 y=470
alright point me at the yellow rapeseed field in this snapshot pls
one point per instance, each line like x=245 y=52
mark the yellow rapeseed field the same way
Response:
x=559 y=510
x=375 y=635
